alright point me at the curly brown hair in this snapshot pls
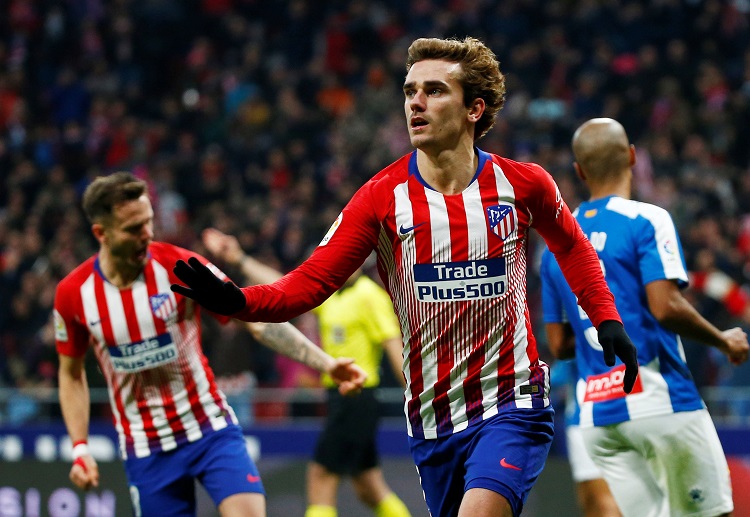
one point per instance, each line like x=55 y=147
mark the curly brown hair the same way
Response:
x=481 y=76
x=105 y=192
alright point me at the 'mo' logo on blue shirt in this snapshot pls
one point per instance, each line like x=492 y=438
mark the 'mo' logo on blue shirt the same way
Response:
x=455 y=281
x=502 y=219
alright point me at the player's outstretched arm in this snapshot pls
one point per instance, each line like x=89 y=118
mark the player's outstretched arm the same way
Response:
x=616 y=342
x=203 y=286
x=283 y=337
x=286 y=339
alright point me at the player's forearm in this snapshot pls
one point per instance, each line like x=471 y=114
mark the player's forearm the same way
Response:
x=682 y=318
x=286 y=339
x=75 y=405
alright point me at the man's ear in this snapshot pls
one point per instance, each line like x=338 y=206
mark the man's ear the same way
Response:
x=632 y=155
x=99 y=232
x=476 y=110
x=579 y=172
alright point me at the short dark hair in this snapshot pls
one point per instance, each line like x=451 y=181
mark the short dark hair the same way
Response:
x=105 y=192
x=481 y=76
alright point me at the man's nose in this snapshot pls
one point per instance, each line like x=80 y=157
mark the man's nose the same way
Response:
x=417 y=102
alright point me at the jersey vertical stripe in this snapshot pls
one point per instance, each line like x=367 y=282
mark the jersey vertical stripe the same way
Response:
x=496 y=187
x=406 y=306
x=476 y=248
x=152 y=325
x=441 y=251
x=97 y=324
x=166 y=430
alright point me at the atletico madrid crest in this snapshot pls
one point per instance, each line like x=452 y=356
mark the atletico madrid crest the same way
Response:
x=162 y=306
x=502 y=219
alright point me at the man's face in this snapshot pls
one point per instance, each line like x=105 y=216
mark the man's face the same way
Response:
x=434 y=105
x=130 y=232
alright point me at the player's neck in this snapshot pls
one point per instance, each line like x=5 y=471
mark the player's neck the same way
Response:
x=620 y=188
x=117 y=273
x=448 y=171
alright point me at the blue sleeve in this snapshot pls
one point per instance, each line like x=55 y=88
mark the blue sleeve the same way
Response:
x=659 y=251
x=552 y=303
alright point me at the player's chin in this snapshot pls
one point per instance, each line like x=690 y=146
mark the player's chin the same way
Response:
x=417 y=141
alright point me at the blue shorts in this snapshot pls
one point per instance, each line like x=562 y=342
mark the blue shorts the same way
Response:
x=505 y=454
x=163 y=483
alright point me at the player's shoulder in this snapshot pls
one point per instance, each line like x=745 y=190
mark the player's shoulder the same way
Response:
x=638 y=210
x=78 y=276
x=377 y=192
x=529 y=180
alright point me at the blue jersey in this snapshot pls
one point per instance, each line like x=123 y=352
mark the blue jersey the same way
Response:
x=637 y=244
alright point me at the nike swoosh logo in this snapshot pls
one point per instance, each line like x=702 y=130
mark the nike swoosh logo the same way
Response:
x=507 y=465
x=404 y=231
x=253 y=479
x=94 y=323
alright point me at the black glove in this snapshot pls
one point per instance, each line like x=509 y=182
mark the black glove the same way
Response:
x=207 y=289
x=615 y=342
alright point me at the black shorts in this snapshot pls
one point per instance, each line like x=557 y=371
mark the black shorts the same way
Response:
x=347 y=444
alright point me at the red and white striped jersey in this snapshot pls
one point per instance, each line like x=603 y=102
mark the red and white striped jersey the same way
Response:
x=147 y=342
x=455 y=268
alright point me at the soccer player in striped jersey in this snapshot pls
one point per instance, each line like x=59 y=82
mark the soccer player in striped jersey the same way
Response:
x=450 y=224
x=656 y=446
x=174 y=424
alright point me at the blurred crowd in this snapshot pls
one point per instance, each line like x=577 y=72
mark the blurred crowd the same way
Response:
x=262 y=117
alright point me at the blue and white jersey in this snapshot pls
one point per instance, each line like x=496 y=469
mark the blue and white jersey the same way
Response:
x=637 y=244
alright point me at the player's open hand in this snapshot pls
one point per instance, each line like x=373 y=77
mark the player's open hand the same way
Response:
x=615 y=342
x=85 y=472
x=203 y=286
x=349 y=376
